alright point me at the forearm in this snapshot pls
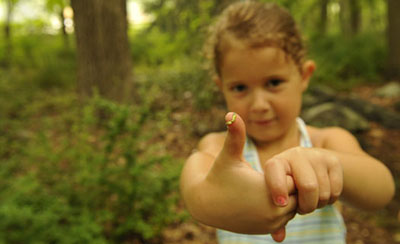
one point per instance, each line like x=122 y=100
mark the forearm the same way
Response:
x=192 y=190
x=192 y=177
x=368 y=184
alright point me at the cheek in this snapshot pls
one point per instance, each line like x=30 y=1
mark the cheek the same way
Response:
x=290 y=105
x=230 y=100
x=237 y=106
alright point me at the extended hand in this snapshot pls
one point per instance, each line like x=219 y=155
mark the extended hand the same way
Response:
x=243 y=190
x=317 y=173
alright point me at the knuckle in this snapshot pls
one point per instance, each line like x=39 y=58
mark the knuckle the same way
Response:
x=269 y=164
x=336 y=194
x=272 y=164
x=333 y=160
x=306 y=209
x=324 y=196
x=308 y=187
x=296 y=150
x=303 y=211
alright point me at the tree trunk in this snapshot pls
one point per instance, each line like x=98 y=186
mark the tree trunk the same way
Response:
x=323 y=16
x=350 y=17
x=355 y=16
x=7 y=33
x=104 y=61
x=64 y=30
x=344 y=18
x=394 y=39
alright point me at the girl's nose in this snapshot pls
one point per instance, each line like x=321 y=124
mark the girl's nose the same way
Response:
x=260 y=102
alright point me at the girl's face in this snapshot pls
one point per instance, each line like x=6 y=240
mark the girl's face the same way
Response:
x=264 y=86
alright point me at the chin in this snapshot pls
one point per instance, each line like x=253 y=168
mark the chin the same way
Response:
x=265 y=137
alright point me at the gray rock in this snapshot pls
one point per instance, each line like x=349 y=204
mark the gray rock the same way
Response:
x=310 y=100
x=391 y=90
x=318 y=94
x=331 y=114
x=323 y=91
x=386 y=117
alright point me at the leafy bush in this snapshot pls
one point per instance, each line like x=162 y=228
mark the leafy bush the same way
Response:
x=153 y=47
x=343 y=62
x=88 y=174
x=41 y=60
x=185 y=80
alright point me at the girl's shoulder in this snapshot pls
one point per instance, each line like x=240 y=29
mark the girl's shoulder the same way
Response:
x=212 y=143
x=332 y=138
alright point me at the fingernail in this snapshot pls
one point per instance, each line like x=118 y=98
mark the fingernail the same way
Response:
x=232 y=120
x=281 y=201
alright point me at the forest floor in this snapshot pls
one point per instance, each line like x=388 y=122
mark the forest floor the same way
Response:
x=362 y=227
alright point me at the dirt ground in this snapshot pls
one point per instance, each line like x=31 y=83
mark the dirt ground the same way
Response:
x=362 y=227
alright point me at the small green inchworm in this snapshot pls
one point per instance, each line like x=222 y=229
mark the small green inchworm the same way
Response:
x=232 y=120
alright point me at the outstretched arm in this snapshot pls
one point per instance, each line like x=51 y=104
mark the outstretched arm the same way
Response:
x=368 y=183
x=338 y=168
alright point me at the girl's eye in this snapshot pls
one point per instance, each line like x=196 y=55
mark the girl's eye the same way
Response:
x=274 y=83
x=239 y=88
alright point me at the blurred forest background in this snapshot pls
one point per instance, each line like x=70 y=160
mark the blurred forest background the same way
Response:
x=101 y=101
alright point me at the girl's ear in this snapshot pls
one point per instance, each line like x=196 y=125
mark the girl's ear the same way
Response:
x=307 y=71
x=218 y=81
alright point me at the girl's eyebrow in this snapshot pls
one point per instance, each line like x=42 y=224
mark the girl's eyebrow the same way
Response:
x=277 y=72
x=274 y=76
x=233 y=82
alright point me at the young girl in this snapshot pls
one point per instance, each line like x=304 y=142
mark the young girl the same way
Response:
x=270 y=173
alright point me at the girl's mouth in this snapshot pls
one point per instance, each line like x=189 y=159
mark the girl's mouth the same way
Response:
x=263 y=122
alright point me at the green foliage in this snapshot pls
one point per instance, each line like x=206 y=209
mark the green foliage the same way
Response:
x=82 y=174
x=56 y=5
x=178 y=30
x=41 y=60
x=153 y=47
x=343 y=62
x=186 y=81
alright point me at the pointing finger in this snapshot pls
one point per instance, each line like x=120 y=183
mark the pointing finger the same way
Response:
x=276 y=173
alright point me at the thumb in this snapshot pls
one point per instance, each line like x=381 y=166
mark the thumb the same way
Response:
x=236 y=136
x=279 y=235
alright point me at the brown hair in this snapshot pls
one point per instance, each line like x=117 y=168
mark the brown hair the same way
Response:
x=254 y=24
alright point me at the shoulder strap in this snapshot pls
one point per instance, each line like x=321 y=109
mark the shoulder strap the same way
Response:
x=305 y=140
x=250 y=154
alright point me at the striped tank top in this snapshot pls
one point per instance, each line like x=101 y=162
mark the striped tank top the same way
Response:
x=322 y=226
